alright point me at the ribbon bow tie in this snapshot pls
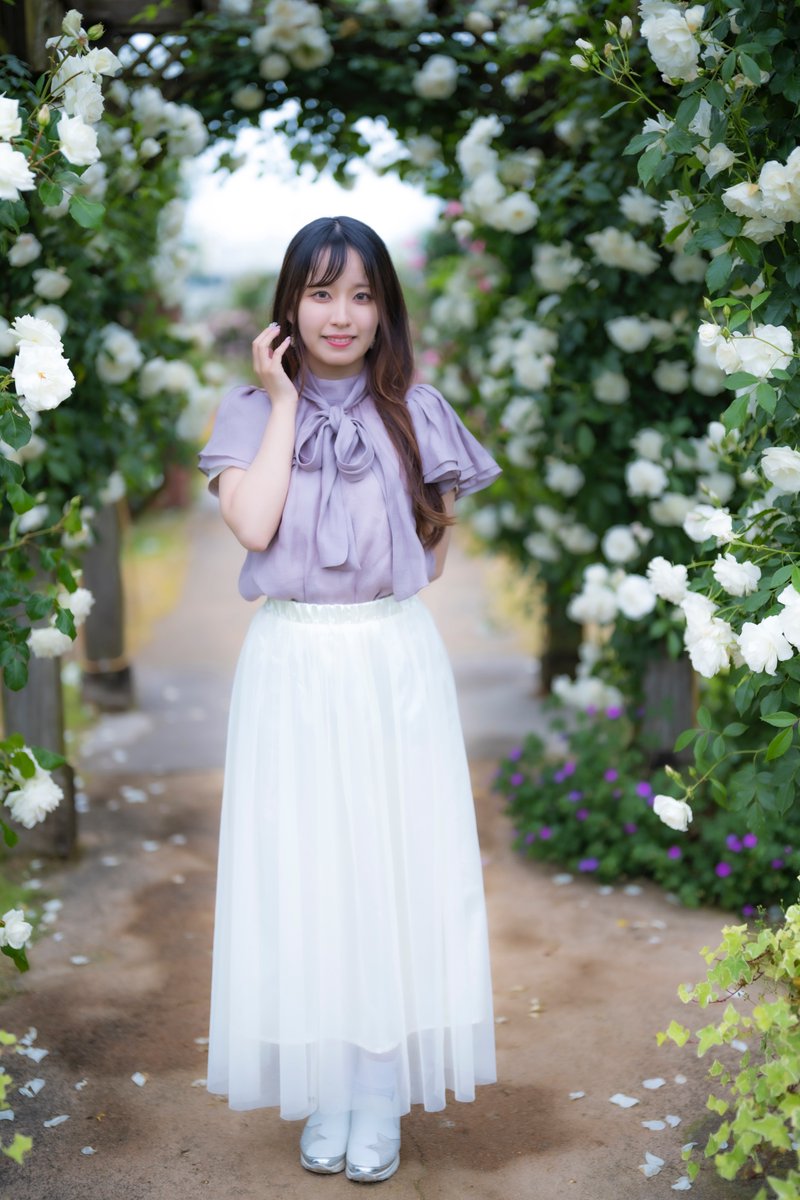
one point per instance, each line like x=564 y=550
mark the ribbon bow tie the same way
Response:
x=332 y=441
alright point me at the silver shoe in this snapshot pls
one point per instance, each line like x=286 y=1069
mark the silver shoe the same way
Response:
x=373 y=1148
x=323 y=1142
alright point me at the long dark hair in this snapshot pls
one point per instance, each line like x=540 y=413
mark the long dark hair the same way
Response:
x=390 y=361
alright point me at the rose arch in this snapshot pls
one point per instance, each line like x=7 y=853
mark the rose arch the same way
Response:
x=613 y=283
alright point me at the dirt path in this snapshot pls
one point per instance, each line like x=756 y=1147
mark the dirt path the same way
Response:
x=599 y=967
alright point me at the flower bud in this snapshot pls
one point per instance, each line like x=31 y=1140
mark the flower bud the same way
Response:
x=625 y=28
x=94 y=32
x=611 y=28
x=608 y=51
x=582 y=44
x=672 y=773
x=43 y=116
x=577 y=60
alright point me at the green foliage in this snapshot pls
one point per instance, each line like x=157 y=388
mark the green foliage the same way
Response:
x=20 y=1144
x=755 y=973
x=583 y=800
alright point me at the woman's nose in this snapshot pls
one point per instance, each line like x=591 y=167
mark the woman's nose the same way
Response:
x=341 y=315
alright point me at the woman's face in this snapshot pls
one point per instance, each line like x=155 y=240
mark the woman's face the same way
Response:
x=338 y=322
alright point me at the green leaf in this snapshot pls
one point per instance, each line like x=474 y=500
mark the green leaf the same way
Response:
x=20 y=500
x=15 y=428
x=65 y=622
x=767 y=397
x=20 y=960
x=87 y=213
x=740 y=379
x=685 y=739
x=704 y=718
x=50 y=193
x=48 y=760
x=650 y=160
x=640 y=141
x=15 y=673
x=735 y=729
x=736 y=412
x=781 y=720
x=750 y=68
x=719 y=270
x=779 y=745
x=796 y=578
x=610 y=111
x=10 y=837
x=20 y=1146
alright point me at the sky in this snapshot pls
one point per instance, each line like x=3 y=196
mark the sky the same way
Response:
x=242 y=222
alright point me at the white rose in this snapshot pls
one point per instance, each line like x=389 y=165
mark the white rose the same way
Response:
x=768 y=348
x=477 y=22
x=648 y=443
x=710 y=647
x=744 y=199
x=616 y=248
x=675 y=813
x=781 y=465
x=437 y=79
x=610 y=387
x=671 y=377
x=780 y=198
x=533 y=371
x=273 y=67
x=629 y=333
x=25 y=250
x=738 y=579
x=720 y=158
x=51 y=285
x=78 y=141
x=668 y=580
x=541 y=548
x=763 y=645
x=565 y=478
x=619 y=545
x=408 y=12
x=635 y=597
x=670 y=41
x=15 y=174
x=555 y=267
x=577 y=538
x=705 y=521
x=83 y=97
x=113 y=489
x=517 y=213
x=78 y=602
x=688 y=268
x=10 y=120
x=34 y=798
x=36 y=331
x=120 y=354
x=48 y=642
x=15 y=930
x=762 y=229
x=638 y=207
x=645 y=478
x=101 y=62
x=595 y=605
x=42 y=376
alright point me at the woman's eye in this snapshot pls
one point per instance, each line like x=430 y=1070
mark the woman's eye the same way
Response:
x=363 y=296
x=319 y=293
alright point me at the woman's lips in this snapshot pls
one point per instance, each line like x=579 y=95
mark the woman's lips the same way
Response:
x=339 y=341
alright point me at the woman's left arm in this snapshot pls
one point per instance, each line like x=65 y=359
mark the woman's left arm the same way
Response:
x=440 y=550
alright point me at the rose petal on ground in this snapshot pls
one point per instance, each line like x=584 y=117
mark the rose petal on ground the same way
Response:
x=88 y=1150
x=157 y=788
x=682 y=1185
x=652 y=1165
x=199 y=1082
x=652 y=1084
x=501 y=1020
x=689 y=1146
x=655 y=940
x=577 y=1095
x=658 y=924
x=81 y=802
x=680 y=1079
x=55 y=1121
x=139 y=1079
x=150 y=846
x=7 y=1114
x=80 y=1085
x=202 y=1041
x=78 y=960
x=178 y=839
x=673 y=1122
x=632 y=889
x=35 y=1053
x=622 y=1100
x=119 y=755
x=739 y=1045
x=133 y=795
x=654 y=1124
x=110 y=860
x=605 y=890
x=179 y=879
x=33 y=885
x=560 y=880
x=31 y=1088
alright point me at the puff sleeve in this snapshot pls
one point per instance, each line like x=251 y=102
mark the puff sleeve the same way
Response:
x=239 y=427
x=451 y=456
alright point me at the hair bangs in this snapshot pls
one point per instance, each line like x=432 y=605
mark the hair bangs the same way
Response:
x=329 y=261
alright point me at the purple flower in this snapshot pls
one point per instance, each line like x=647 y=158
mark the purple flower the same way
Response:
x=630 y=827
x=588 y=864
x=675 y=852
x=611 y=776
x=644 y=789
x=614 y=712
x=748 y=910
x=574 y=797
x=529 y=837
x=749 y=840
x=559 y=777
x=723 y=869
x=733 y=843
x=591 y=711
x=787 y=849
x=617 y=792
x=569 y=769
x=776 y=864
x=516 y=779
x=545 y=833
x=582 y=814
x=515 y=753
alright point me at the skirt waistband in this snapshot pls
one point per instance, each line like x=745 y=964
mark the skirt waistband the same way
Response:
x=331 y=614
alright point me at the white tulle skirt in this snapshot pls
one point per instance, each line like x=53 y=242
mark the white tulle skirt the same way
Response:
x=350 y=942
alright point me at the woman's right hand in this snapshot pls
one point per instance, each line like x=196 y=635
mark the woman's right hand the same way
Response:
x=268 y=366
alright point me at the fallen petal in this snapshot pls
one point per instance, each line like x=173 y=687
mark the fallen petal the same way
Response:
x=652 y=1165
x=7 y=1114
x=622 y=1100
x=673 y=1122
x=680 y=1079
x=55 y=1121
x=682 y=1185
x=150 y=846
x=739 y=1045
x=577 y=1095
x=652 y=1084
x=31 y=1088
x=199 y=1082
x=632 y=889
x=501 y=1020
x=81 y=1084
x=78 y=960
x=560 y=880
x=654 y=1124
x=139 y=1079
x=88 y=1150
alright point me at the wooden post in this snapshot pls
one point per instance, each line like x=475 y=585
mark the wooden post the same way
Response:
x=107 y=679
x=37 y=712
x=670 y=701
x=562 y=637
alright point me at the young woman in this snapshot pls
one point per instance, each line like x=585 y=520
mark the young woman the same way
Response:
x=350 y=971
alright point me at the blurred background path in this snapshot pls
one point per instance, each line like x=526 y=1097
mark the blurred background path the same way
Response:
x=118 y=990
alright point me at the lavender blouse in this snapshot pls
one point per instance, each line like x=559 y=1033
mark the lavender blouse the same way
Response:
x=347 y=531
